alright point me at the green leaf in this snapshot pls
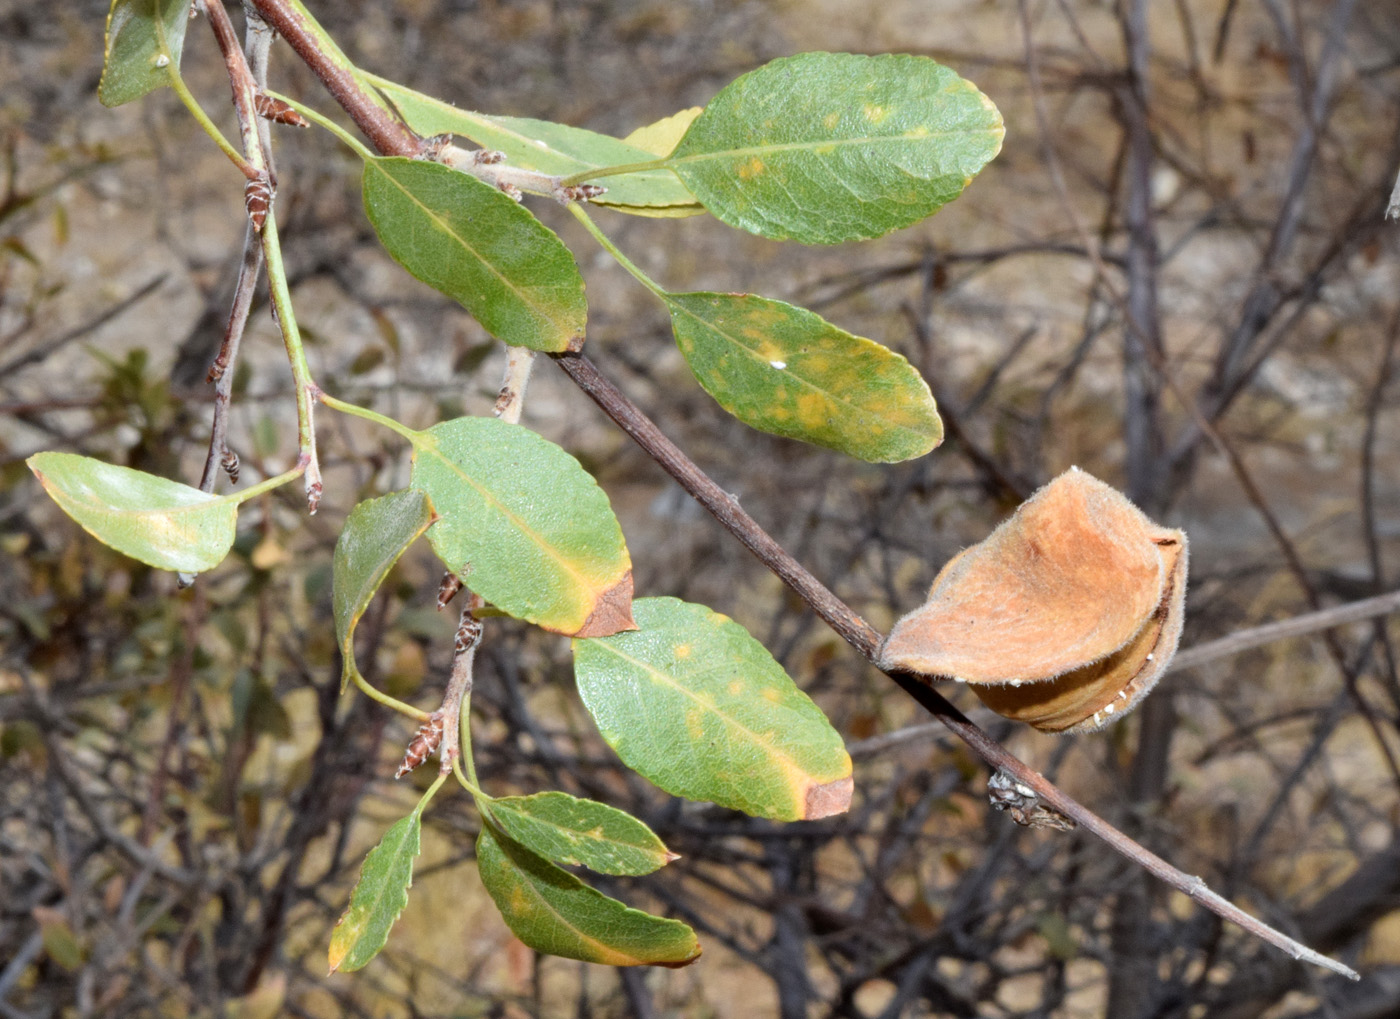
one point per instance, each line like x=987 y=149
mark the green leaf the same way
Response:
x=787 y=371
x=554 y=912
x=379 y=896
x=554 y=149
x=525 y=526
x=569 y=830
x=144 y=40
x=376 y=534
x=696 y=705
x=829 y=147
x=478 y=246
x=162 y=523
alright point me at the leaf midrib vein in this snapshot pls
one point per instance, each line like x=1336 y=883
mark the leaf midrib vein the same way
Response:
x=462 y=242
x=732 y=722
x=813 y=387
x=536 y=538
x=759 y=150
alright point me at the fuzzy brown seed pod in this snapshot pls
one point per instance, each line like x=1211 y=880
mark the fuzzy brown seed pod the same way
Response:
x=1064 y=617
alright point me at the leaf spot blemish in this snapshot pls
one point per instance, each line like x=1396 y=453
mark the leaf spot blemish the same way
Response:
x=752 y=168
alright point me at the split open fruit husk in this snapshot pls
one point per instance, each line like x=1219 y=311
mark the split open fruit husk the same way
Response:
x=1064 y=617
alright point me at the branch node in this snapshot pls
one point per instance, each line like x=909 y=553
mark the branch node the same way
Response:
x=1006 y=792
x=564 y=194
x=257 y=197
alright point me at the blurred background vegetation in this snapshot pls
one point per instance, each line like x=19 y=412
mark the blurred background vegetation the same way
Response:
x=1176 y=275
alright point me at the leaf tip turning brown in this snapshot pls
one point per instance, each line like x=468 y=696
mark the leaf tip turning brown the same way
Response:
x=828 y=799
x=612 y=612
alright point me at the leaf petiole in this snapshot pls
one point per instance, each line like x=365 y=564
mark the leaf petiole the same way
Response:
x=410 y=434
x=385 y=699
x=614 y=171
x=612 y=249
x=177 y=82
x=266 y=485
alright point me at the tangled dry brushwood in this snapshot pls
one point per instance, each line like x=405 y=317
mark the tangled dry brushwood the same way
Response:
x=1179 y=276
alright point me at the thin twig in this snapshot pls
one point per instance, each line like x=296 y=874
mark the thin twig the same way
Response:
x=866 y=640
x=459 y=688
x=247 y=71
x=320 y=53
x=511 y=399
x=221 y=371
x=1298 y=626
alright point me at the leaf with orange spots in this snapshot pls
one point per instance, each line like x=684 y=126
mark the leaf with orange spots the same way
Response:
x=693 y=703
x=787 y=371
x=569 y=830
x=830 y=147
x=524 y=526
x=554 y=912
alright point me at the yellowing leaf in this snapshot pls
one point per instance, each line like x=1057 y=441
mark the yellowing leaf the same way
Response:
x=786 y=371
x=830 y=147
x=554 y=912
x=662 y=136
x=161 y=523
x=525 y=526
x=379 y=897
x=566 y=829
x=700 y=708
